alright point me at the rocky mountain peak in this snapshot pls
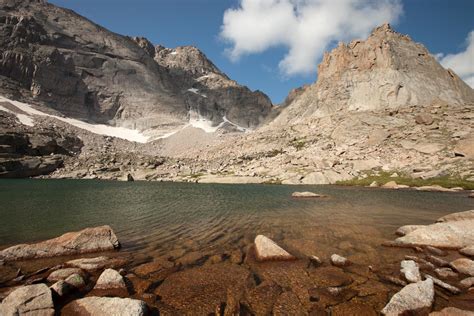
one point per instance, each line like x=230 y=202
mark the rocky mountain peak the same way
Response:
x=185 y=58
x=388 y=70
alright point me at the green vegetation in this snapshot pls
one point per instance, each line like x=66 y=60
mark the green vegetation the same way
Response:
x=384 y=177
x=298 y=143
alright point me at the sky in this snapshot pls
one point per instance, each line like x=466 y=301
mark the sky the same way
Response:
x=275 y=45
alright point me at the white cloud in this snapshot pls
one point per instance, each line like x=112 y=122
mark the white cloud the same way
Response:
x=463 y=62
x=306 y=27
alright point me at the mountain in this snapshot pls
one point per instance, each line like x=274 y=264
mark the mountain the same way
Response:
x=380 y=107
x=386 y=71
x=55 y=58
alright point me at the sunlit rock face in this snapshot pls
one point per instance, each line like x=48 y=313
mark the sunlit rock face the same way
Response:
x=386 y=71
x=59 y=59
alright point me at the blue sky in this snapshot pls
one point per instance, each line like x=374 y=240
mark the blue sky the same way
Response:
x=441 y=25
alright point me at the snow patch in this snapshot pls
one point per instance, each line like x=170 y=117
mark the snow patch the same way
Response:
x=24 y=119
x=174 y=53
x=198 y=121
x=100 y=129
x=196 y=91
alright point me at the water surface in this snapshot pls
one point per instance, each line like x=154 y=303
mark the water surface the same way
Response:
x=160 y=218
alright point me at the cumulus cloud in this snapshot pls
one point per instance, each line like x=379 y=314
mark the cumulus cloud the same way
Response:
x=305 y=27
x=463 y=62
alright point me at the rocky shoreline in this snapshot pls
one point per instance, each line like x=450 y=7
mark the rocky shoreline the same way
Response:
x=435 y=275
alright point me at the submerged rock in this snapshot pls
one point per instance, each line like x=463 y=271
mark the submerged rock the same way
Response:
x=339 y=261
x=110 y=279
x=468 y=251
x=64 y=287
x=88 y=240
x=307 y=195
x=105 y=306
x=452 y=311
x=444 y=285
x=267 y=249
x=463 y=265
x=411 y=271
x=90 y=264
x=467 y=282
x=413 y=298
x=28 y=300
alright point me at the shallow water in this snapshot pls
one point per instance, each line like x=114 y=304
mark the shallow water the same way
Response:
x=199 y=227
x=156 y=218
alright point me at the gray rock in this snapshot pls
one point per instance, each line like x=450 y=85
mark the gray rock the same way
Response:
x=402 y=231
x=410 y=270
x=110 y=279
x=413 y=298
x=106 y=306
x=267 y=249
x=88 y=240
x=448 y=234
x=63 y=274
x=339 y=261
x=28 y=300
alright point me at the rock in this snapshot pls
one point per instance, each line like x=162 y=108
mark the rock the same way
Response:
x=88 y=240
x=90 y=264
x=394 y=185
x=424 y=118
x=452 y=311
x=110 y=279
x=28 y=300
x=463 y=265
x=63 y=274
x=467 y=251
x=307 y=195
x=130 y=178
x=413 y=298
x=339 y=261
x=434 y=188
x=460 y=216
x=445 y=273
x=156 y=265
x=106 y=306
x=444 y=285
x=70 y=284
x=471 y=195
x=436 y=251
x=267 y=249
x=449 y=234
x=402 y=231
x=374 y=184
x=314 y=261
x=410 y=271
x=467 y=282
x=465 y=147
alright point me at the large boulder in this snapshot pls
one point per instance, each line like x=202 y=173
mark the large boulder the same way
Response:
x=267 y=249
x=105 y=306
x=448 y=234
x=28 y=300
x=415 y=298
x=88 y=240
x=460 y=216
x=63 y=274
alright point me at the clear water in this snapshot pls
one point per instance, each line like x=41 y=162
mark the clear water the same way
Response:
x=161 y=218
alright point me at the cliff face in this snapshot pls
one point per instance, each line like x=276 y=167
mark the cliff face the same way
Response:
x=386 y=71
x=56 y=58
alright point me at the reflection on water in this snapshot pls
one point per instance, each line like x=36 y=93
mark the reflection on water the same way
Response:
x=163 y=218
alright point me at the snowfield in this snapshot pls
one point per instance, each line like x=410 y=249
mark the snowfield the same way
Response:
x=100 y=129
